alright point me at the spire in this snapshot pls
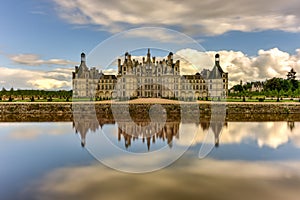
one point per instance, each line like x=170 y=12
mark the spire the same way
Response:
x=217 y=59
x=82 y=57
x=170 y=59
x=82 y=66
x=148 y=56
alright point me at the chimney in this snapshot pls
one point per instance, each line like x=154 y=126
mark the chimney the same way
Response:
x=153 y=59
x=119 y=66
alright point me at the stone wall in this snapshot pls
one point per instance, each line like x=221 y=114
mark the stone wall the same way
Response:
x=67 y=108
x=140 y=111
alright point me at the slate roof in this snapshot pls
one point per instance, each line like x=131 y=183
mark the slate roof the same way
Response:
x=216 y=72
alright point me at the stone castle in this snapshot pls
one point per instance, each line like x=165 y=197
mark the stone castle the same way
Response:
x=149 y=78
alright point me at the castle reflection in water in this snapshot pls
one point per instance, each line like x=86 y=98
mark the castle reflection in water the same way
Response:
x=139 y=128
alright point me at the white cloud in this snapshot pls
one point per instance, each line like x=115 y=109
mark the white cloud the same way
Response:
x=266 y=64
x=26 y=132
x=193 y=61
x=269 y=134
x=211 y=179
x=34 y=79
x=193 y=16
x=35 y=60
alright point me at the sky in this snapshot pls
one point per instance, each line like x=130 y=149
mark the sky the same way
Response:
x=41 y=40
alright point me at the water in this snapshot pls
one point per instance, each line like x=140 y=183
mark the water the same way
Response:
x=251 y=160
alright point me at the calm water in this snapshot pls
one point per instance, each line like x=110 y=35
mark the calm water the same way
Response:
x=46 y=160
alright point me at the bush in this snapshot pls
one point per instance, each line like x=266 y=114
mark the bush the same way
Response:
x=10 y=99
x=261 y=99
x=32 y=98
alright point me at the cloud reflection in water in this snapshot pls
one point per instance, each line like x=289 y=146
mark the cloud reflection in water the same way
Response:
x=212 y=179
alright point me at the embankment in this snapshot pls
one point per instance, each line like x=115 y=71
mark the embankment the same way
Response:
x=56 y=111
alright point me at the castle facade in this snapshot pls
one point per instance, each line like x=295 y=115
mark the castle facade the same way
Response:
x=149 y=78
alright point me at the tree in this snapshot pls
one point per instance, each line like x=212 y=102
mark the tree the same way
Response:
x=285 y=84
x=267 y=93
x=247 y=86
x=274 y=93
x=281 y=93
x=238 y=88
x=297 y=92
x=291 y=75
x=290 y=93
x=272 y=84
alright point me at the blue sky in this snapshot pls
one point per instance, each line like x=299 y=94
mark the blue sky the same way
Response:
x=41 y=41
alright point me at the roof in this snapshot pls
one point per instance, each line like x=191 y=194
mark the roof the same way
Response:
x=108 y=76
x=196 y=76
x=216 y=72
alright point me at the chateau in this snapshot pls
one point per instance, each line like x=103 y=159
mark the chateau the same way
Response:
x=149 y=78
